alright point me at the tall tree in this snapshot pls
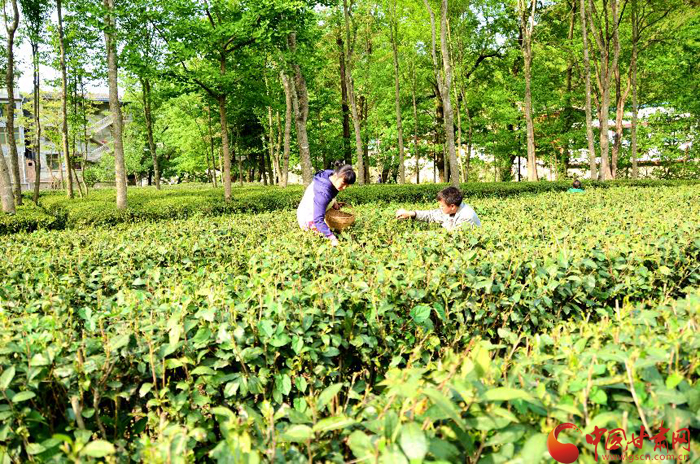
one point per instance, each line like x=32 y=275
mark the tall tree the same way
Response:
x=301 y=109
x=205 y=29
x=527 y=23
x=393 y=33
x=35 y=14
x=110 y=34
x=439 y=110
x=286 y=83
x=651 y=14
x=633 y=84
x=605 y=31
x=587 y=76
x=351 y=95
x=141 y=57
x=11 y=25
x=347 y=150
x=443 y=88
x=148 y=114
x=415 y=121
x=446 y=95
x=64 y=101
x=211 y=145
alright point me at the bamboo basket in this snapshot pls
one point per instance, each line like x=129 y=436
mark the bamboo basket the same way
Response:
x=339 y=220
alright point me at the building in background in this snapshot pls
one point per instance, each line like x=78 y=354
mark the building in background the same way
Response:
x=98 y=134
x=24 y=163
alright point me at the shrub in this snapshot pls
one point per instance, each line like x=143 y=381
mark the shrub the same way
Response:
x=190 y=334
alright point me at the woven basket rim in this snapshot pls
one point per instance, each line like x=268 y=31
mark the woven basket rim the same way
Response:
x=337 y=219
x=337 y=214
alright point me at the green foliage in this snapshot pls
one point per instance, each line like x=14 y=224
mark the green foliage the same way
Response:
x=192 y=337
x=499 y=401
x=29 y=218
x=179 y=202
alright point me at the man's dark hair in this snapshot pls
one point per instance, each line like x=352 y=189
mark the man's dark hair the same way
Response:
x=577 y=184
x=345 y=172
x=450 y=195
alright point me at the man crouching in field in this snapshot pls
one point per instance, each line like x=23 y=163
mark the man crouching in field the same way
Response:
x=451 y=214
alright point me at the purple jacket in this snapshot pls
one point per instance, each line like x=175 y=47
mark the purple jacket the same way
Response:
x=318 y=195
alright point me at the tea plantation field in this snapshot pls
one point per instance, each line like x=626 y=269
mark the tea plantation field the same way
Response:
x=231 y=336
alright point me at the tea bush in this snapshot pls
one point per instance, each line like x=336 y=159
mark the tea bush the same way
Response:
x=497 y=402
x=179 y=202
x=180 y=337
x=29 y=218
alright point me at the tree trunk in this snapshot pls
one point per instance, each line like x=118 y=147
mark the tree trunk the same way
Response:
x=347 y=151
x=271 y=148
x=469 y=147
x=221 y=164
x=261 y=165
x=64 y=98
x=393 y=29
x=37 y=123
x=445 y=162
x=77 y=182
x=278 y=148
x=6 y=196
x=74 y=145
x=440 y=159
x=211 y=145
x=60 y=171
x=10 y=120
x=148 y=114
x=527 y=20
x=351 y=97
x=459 y=132
x=633 y=68
x=300 y=102
x=561 y=167
x=587 y=74
x=54 y=181
x=603 y=42
x=415 y=128
x=110 y=43
x=211 y=177
x=287 y=127
x=620 y=98
x=440 y=102
x=447 y=102
x=239 y=157
x=364 y=119
x=85 y=135
x=223 y=120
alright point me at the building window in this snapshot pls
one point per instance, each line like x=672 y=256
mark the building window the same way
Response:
x=53 y=160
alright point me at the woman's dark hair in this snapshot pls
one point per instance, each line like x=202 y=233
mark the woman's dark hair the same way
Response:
x=450 y=195
x=577 y=184
x=345 y=172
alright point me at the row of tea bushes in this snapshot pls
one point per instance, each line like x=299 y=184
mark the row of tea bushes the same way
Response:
x=113 y=332
x=495 y=403
x=179 y=202
x=29 y=218
x=488 y=402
